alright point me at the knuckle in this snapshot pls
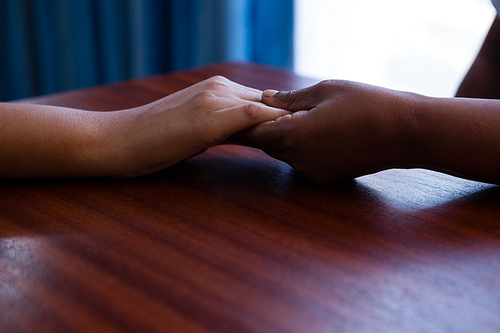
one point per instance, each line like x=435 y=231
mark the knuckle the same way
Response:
x=332 y=83
x=216 y=82
x=329 y=85
x=204 y=97
x=290 y=98
x=337 y=88
x=326 y=83
x=252 y=110
x=219 y=78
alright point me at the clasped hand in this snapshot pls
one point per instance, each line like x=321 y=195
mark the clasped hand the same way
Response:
x=338 y=130
x=38 y=141
x=197 y=117
x=332 y=131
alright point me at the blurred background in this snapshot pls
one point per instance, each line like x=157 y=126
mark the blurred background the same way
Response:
x=424 y=46
x=52 y=45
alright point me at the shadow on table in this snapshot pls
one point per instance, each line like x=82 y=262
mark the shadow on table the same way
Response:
x=396 y=207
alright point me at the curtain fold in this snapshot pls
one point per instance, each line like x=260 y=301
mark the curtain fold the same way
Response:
x=54 y=45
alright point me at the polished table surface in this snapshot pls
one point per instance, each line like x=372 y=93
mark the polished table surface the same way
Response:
x=235 y=241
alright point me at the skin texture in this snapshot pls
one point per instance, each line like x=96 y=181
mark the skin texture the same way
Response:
x=44 y=141
x=341 y=130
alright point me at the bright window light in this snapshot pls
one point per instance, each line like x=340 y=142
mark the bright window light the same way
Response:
x=423 y=46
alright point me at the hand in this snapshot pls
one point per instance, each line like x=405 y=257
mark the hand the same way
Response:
x=340 y=130
x=186 y=123
x=46 y=141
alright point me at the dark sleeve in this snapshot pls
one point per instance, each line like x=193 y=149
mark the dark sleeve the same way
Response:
x=483 y=78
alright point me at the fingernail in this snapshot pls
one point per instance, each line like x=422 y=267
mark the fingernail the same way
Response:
x=269 y=93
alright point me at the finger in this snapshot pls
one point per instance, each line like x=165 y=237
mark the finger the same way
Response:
x=249 y=94
x=268 y=136
x=238 y=90
x=295 y=100
x=242 y=86
x=238 y=118
x=198 y=153
x=250 y=91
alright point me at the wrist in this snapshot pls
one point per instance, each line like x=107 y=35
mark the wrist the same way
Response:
x=144 y=140
x=431 y=133
x=409 y=138
x=458 y=136
x=101 y=152
x=121 y=141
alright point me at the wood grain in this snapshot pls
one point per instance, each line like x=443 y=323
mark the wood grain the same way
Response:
x=235 y=241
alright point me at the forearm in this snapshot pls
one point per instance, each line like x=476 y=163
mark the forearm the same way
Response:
x=45 y=141
x=483 y=78
x=39 y=141
x=458 y=136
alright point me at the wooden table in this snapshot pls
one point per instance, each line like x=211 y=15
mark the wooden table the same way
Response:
x=235 y=241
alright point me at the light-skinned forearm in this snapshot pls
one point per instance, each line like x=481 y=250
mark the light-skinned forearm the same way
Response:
x=39 y=141
x=46 y=141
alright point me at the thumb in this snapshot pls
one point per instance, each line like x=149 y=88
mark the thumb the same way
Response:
x=294 y=100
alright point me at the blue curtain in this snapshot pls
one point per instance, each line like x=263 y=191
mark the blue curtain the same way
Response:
x=52 y=45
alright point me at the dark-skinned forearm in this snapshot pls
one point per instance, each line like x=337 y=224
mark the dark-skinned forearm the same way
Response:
x=483 y=78
x=459 y=136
